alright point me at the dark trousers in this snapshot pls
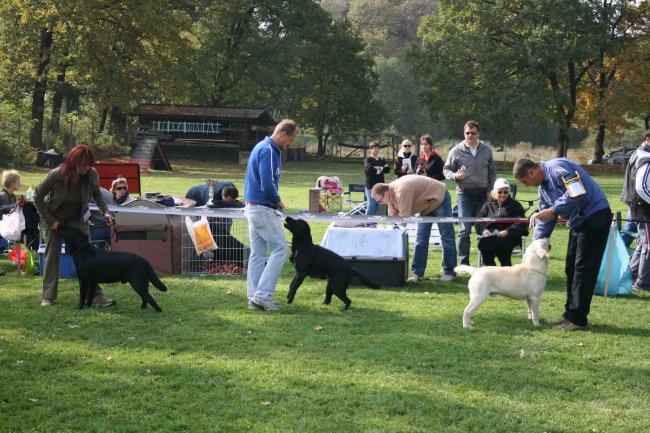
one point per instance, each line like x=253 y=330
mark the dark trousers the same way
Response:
x=494 y=246
x=584 y=254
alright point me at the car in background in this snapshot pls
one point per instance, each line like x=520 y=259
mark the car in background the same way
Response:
x=619 y=156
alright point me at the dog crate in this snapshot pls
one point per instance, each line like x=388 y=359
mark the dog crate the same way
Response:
x=380 y=254
x=155 y=237
x=231 y=256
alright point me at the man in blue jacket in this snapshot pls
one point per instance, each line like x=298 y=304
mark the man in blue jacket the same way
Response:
x=566 y=190
x=265 y=229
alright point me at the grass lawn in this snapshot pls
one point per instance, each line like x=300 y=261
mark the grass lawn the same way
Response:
x=398 y=361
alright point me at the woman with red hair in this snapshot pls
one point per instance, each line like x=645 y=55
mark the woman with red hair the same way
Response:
x=62 y=201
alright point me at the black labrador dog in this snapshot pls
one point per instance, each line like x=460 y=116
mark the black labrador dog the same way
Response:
x=318 y=262
x=99 y=266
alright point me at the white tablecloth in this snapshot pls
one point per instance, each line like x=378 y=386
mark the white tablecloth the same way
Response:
x=365 y=242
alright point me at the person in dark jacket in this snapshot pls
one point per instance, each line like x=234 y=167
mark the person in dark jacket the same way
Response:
x=499 y=238
x=374 y=167
x=406 y=161
x=637 y=196
x=430 y=163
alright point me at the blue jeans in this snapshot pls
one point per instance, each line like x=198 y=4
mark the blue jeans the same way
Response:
x=446 y=236
x=628 y=227
x=264 y=231
x=468 y=207
x=373 y=205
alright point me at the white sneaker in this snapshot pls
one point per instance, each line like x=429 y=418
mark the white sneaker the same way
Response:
x=446 y=278
x=265 y=304
x=414 y=279
x=47 y=302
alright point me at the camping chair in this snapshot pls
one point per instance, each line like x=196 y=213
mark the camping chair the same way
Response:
x=355 y=188
x=331 y=193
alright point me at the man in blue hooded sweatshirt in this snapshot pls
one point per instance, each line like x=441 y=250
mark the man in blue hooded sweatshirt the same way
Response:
x=264 y=224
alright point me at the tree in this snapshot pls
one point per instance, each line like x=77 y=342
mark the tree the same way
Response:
x=535 y=55
x=333 y=83
x=602 y=100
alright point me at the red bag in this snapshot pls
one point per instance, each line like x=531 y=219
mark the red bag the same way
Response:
x=13 y=254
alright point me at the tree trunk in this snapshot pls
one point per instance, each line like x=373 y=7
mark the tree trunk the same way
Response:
x=102 y=120
x=57 y=102
x=562 y=142
x=40 y=87
x=647 y=121
x=319 y=135
x=118 y=123
x=600 y=143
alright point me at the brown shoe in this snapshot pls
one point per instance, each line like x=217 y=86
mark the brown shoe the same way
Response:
x=559 y=321
x=569 y=326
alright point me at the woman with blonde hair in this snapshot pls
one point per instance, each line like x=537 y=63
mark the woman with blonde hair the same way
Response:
x=406 y=160
x=120 y=190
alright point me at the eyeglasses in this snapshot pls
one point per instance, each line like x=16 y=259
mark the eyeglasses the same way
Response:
x=504 y=192
x=406 y=145
x=471 y=133
x=120 y=188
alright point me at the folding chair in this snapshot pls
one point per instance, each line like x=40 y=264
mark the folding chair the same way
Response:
x=355 y=188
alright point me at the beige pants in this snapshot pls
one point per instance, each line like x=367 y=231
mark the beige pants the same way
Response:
x=52 y=259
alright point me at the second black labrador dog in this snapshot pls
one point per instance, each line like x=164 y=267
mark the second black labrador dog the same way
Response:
x=318 y=262
x=99 y=266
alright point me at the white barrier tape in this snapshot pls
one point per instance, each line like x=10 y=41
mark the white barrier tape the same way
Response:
x=239 y=214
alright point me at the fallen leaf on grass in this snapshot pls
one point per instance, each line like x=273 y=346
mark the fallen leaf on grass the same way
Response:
x=580 y=344
x=522 y=354
x=426 y=293
x=109 y=358
x=19 y=361
x=71 y=326
x=594 y=430
x=131 y=338
x=33 y=400
x=148 y=371
x=228 y=292
x=539 y=369
x=318 y=328
x=266 y=403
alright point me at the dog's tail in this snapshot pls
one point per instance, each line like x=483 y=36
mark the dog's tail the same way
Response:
x=365 y=280
x=153 y=277
x=465 y=269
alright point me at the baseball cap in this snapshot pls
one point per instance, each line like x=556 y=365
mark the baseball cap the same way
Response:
x=501 y=183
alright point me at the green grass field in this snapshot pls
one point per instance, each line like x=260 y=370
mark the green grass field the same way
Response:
x=398 y=361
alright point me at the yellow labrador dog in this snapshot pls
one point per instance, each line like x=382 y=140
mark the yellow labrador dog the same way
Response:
x=525 y=281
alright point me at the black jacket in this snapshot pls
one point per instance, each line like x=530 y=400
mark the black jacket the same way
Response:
x=372 y=177
x=399 y=162
x=509 y=208
x=432 y=167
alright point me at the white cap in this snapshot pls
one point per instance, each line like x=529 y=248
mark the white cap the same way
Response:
x=501 y=183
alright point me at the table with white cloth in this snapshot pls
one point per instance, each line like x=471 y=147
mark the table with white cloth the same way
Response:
x=381 y=253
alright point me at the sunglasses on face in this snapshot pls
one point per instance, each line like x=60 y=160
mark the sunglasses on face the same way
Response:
x=120 y=188
x=407 y=145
